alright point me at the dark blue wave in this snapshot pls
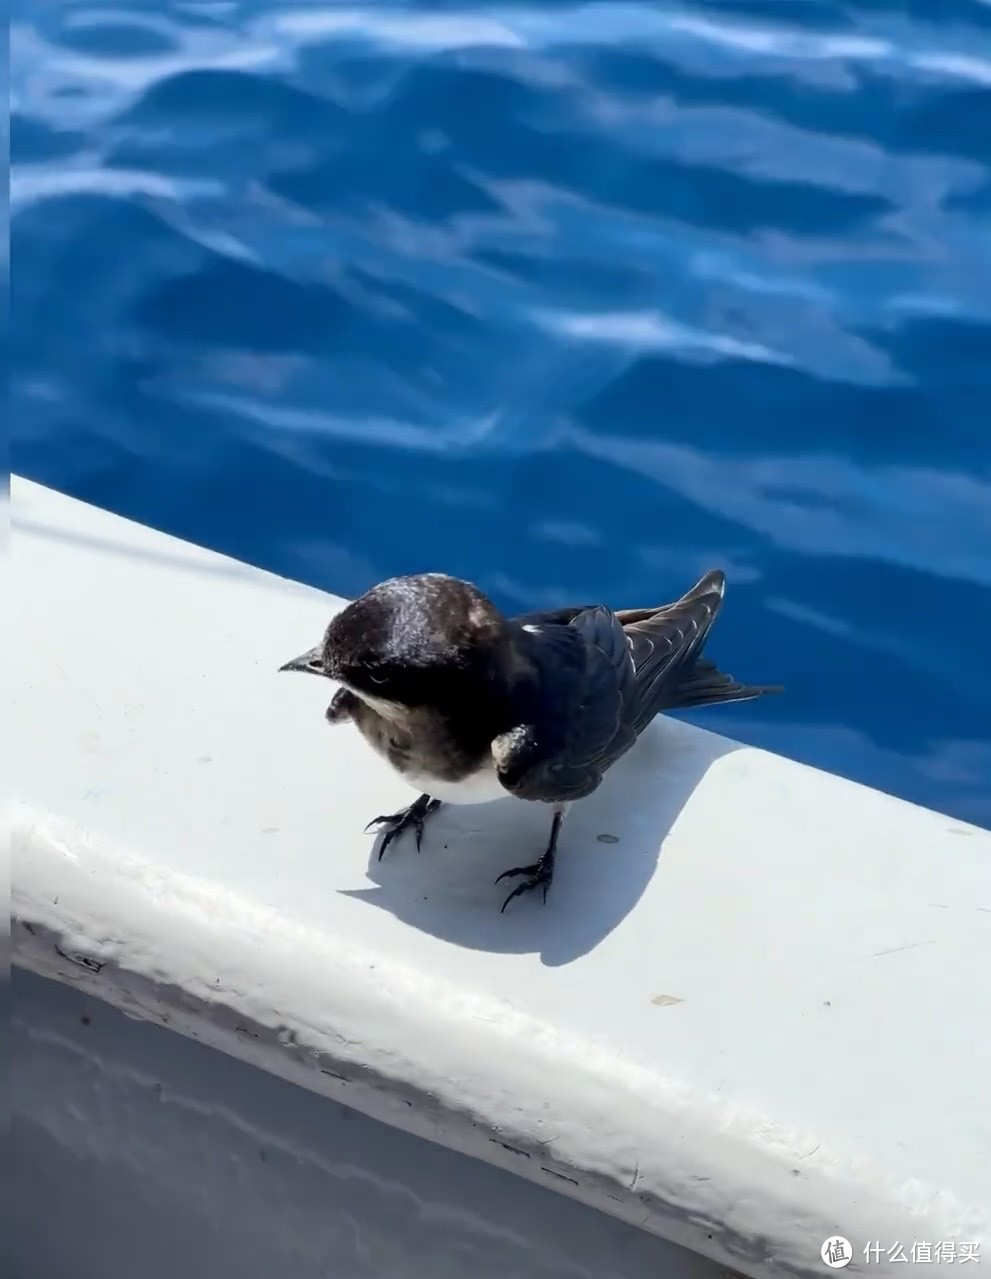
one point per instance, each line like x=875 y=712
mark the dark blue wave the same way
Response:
x=575 y=300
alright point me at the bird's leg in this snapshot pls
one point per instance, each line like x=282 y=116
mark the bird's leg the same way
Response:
x=414 y=816
x=540 y=874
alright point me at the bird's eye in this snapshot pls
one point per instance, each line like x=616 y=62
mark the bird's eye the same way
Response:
x=377 y=679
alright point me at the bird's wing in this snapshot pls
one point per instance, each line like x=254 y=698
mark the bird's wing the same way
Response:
x=562 y=616
x=551 y=616
x=580 y=727
x=608 y=675
x=627 y=616
x=666 y=644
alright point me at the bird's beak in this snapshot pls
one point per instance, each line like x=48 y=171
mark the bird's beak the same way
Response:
x=311 y=662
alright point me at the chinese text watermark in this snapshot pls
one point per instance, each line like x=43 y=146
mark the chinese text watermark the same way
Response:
x=837 y=1252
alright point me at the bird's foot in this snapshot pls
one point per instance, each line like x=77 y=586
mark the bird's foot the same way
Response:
x=539 y=875
x=395 y=823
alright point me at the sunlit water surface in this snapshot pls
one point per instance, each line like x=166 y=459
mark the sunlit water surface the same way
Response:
x=574 y=300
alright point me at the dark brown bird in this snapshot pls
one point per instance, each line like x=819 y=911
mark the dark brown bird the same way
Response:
x=470 y=706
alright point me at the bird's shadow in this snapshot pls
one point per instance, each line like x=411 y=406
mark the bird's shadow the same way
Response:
x=609 y=850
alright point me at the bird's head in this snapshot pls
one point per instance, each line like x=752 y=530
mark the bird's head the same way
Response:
x=421 y=640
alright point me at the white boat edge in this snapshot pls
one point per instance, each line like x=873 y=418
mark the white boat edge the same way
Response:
x=720 y=1056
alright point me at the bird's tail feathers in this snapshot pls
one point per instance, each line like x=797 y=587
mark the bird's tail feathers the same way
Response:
x=704 y=684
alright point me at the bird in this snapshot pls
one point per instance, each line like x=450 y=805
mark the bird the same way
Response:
x=469 y=705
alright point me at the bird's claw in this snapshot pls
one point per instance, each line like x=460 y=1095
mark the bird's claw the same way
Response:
x=539 y=875
x=395 y=823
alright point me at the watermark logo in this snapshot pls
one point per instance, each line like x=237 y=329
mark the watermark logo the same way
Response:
x=836 y=1252
x=923 y=1252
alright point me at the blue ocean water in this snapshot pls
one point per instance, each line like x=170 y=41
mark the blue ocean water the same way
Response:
x=576 y=300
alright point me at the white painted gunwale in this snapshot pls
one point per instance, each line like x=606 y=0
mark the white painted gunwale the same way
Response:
x=752 y=1022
